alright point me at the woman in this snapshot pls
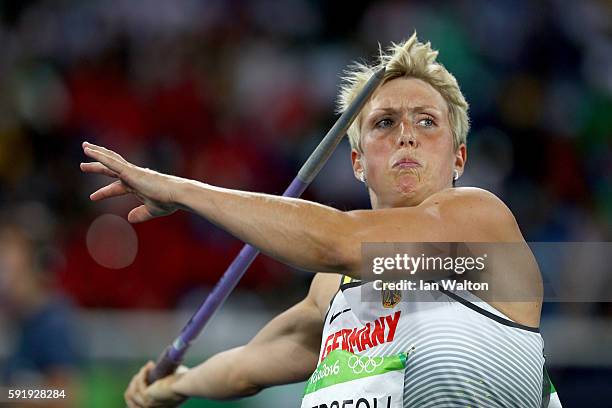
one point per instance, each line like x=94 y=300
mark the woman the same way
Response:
x=440 y=348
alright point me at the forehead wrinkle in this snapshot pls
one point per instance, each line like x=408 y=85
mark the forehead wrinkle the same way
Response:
x=412 y=91
x=409 y=108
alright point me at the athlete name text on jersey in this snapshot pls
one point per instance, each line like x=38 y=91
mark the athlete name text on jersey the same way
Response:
x=381 y=330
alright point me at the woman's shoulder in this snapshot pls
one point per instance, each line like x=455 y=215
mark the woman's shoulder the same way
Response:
x=477 y=209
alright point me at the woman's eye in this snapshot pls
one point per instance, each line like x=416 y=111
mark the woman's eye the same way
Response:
x=427 y=122
x=384 y=123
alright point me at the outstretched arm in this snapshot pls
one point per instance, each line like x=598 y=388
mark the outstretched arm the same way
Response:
x=304 y=234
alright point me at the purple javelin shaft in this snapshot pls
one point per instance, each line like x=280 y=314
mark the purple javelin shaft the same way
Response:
x=173 y=355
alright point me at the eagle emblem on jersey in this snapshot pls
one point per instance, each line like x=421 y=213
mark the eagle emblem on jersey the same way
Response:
x=390 y=298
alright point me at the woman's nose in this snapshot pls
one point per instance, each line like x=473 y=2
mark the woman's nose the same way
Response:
x=406 y=136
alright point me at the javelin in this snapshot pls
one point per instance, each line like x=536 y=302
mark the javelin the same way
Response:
x=172 y=356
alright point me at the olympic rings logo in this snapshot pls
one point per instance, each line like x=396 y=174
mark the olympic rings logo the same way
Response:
x=361 y=364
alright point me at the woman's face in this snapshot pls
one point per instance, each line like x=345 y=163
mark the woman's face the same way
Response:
x=407 y=144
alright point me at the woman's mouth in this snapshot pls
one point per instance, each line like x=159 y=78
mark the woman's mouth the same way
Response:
x=406 y=164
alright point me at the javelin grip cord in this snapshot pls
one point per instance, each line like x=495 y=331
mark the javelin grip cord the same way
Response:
x=173 y=355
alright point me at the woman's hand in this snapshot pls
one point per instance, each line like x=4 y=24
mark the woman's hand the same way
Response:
x=157 y=395
x=155 y=190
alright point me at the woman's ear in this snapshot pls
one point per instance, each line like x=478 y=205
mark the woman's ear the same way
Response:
x=358 y=168
x=460 y=159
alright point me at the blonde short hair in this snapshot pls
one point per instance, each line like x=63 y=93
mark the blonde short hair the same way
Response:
x=408 y=59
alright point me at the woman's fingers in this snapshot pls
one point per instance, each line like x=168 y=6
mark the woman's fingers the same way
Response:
x=127 y=396
x=137 y=388
x=132 y=401
x=142 y=380
x=97 y=168
x=132 y=394
x=104 y=150
x=141 y=384
x=146 y=184
x=114 y=163
x=115 y=189
x=140 y=214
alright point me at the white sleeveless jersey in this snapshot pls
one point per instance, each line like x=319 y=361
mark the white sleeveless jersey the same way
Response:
x=463 y=352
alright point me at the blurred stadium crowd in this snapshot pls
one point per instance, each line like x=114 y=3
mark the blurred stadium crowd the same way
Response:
x=237 y=93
